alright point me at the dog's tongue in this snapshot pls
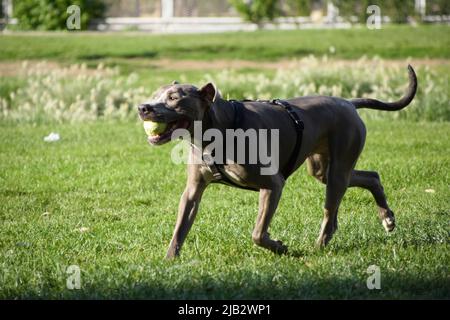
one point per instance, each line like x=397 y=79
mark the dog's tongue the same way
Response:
x=154 y=128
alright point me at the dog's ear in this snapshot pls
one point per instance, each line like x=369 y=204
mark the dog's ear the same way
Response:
x=209 y=92
x=175 y=82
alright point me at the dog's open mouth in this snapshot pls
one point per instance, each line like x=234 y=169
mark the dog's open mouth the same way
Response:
x=161 y=132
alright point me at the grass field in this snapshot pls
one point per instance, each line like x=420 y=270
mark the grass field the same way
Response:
x=390 y=42
x=111 y=201
x=102 y=199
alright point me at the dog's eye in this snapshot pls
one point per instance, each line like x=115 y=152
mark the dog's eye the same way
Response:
x=173 y=98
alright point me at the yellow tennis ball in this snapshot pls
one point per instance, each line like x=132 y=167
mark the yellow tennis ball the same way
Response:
x=154 y=128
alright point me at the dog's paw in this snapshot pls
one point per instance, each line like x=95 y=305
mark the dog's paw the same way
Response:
x=387 y=219
x=388 y=224
x=279 y=247
x=321 y=243
x=275 y=246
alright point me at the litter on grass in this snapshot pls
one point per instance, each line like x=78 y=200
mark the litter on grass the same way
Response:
x=52 y=137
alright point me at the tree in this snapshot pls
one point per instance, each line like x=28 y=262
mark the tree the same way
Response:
x=299 y=7
x=52 y=14
x=257 y=11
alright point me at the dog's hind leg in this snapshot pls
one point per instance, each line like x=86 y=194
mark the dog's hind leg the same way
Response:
x=268 y=202
x=370 y=180
x=344 y=150
x=337 y=182
x=318 y=166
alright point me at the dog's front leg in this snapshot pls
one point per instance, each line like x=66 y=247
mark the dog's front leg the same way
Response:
x=268 y=202
x=187 y=210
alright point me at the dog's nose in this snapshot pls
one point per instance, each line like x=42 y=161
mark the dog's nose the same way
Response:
x=145 y=108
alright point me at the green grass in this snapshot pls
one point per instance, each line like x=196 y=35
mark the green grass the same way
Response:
x=396 y=42
x=103 y=176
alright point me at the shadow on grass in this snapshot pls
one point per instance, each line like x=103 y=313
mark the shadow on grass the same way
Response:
x=15 y=193
x=393 y=286
x=349 y=248
x=144 y=54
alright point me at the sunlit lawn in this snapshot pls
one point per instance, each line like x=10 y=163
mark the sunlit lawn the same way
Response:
x=104 y=200
x=390 y=42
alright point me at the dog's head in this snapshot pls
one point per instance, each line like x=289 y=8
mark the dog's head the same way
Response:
x=176 y=106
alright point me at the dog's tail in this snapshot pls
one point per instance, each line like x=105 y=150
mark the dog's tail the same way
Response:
x=391 y=106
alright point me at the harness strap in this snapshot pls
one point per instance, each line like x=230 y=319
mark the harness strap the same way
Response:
x=299 y=127
x=218 y=170
x=237 y=106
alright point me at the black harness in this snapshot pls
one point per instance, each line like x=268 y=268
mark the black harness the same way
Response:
x=218 y=170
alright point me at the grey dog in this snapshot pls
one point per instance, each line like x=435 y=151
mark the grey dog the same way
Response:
x=332 y=139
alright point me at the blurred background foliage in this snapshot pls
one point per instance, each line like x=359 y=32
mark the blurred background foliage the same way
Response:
x=257 y=11
x=52 y=15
